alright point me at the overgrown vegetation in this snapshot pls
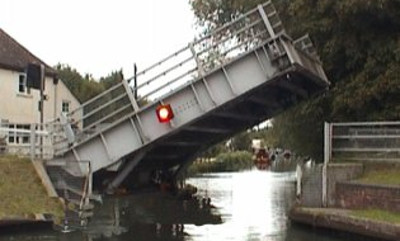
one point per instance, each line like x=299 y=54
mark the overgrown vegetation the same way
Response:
x=376 y=214
x=21 y=191
x=223 y=162
x=359 y=44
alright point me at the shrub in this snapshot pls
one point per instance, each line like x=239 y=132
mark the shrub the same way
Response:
x=224 y=162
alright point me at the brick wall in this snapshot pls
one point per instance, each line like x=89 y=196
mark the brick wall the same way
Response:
x=336 y=172
x=361 y=196
x=340 y=172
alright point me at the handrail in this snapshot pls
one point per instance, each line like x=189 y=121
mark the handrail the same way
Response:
x=164 y=73
x=243 y=43
x=171 y=70
x=95 y=98
x=106 y=117
x=161 y=61
x=230 y=23
x=230 y=36
x=103 y=106
x=379 y=123
x=358 y=140
x=168 y=83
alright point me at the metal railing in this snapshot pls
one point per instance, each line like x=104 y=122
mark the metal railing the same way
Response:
x=363 y=141
x=31 y=140
x=200 y=57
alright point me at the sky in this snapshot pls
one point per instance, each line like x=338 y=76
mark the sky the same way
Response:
x=99 y=36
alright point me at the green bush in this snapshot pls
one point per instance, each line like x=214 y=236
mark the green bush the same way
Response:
x=224 y=162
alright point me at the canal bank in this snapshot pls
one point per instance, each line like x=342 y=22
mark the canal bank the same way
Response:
x=24 y=199
x=346 y=220
x=359 y=198
x=250 y=205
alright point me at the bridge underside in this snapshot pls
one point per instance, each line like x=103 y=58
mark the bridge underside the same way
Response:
x=178 y=149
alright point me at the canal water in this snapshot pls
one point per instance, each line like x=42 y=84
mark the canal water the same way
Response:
x=240 y=206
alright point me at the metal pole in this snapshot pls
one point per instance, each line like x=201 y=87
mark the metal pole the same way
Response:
x=266 y=21
x=42 y=79
x=135 y=80
x=90 y=184
x=126 y=171
x=327 y=154
x=130 y=95
x=327 y=142
x=196 y=58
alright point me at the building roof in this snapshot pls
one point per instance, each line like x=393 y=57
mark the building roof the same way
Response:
x=14 y=56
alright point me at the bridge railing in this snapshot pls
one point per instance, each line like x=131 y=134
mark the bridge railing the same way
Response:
x=200 y=57
x=363 y=141
x=208 y=52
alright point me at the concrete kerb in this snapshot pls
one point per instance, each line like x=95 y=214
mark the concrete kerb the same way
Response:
x=342 y=220
x=44 y=178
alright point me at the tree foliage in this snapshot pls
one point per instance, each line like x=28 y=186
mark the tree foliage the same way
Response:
x=241 y=142
x=86 y=87
x=213 y=151
x=224 y=162
x=359 y=43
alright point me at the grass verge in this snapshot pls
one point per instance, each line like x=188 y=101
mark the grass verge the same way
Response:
x=388 y=177
x=378 y=215
x=21 y=191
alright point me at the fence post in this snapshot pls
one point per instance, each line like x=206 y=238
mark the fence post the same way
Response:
x=327 y=156
x=33 y=142
x=130 y=94
x=327 y=142
x=196 y=58
x=266 y=21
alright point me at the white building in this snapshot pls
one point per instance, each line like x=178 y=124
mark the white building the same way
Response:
x=19 y=104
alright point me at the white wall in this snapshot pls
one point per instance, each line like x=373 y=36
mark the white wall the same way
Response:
x=23 y=108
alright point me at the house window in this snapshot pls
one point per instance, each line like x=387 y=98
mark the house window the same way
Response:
x=11 y=134
x=65 y=106
x=19 y=134
x=22 y=88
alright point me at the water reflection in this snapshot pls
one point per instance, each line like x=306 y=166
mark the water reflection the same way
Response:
x=150 y=216
x=253 y=204
x=244 y=206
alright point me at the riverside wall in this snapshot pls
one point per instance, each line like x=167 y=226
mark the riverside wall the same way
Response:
x=345 y=194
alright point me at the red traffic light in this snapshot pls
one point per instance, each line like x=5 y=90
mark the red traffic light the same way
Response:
x=164 y=113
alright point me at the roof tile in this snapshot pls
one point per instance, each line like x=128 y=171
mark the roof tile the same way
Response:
x=14 y=56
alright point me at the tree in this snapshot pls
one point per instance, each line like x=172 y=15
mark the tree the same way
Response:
x=215 y=150
x=84 y=88
x=113 y=78
x=359 y=44
x=241 y=142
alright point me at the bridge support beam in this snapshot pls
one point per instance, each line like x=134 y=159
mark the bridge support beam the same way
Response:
x=125 y=172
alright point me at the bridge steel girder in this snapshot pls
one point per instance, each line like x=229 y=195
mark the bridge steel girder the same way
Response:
x=242 y=81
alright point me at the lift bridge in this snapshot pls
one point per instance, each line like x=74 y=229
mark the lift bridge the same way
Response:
x=228 y=80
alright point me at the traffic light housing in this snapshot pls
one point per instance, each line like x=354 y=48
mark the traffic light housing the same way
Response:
x=164 y=113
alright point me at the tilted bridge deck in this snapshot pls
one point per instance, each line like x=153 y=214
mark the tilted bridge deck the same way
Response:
x=230 y=79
